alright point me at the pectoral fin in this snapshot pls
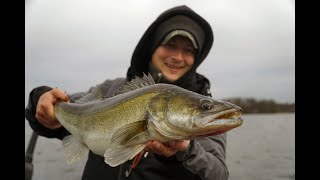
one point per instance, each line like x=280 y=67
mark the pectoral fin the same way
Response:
x=73 y=149
x=117 y=156
x=130 y=133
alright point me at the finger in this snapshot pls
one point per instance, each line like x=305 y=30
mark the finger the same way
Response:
x=50 y=113
x=182 y=145
x=157 y=147
x=150 y=147
x=147 y=148
x=40 y=117
x=54 y=126
x=60 y=95
x=162 y=149
x=45 y=114
x=51 y=125
x=171 y=143
x=40 y=114
x=47 y=123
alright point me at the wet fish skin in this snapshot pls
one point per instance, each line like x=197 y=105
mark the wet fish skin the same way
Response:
x=119 y=127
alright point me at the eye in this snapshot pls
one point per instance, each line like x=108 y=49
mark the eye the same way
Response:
x=206 y=104
x=190 y=51
x=170 y=45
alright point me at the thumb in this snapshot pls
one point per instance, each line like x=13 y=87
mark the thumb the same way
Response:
x=60 y=95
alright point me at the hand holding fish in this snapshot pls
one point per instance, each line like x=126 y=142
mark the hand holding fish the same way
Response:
x=167 y=149
x=45 y=108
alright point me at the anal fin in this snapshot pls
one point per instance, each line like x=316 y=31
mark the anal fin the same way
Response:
x=116 y=156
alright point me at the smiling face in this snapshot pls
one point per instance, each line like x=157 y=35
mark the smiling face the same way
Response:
x=175 y=58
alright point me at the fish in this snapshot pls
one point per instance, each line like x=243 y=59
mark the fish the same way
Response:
x=119 y=127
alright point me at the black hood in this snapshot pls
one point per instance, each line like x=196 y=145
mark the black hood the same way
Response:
x=143 y=51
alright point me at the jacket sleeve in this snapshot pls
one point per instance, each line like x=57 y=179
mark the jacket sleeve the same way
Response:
x=206 y=157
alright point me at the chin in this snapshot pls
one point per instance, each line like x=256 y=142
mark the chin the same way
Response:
x=172 y=79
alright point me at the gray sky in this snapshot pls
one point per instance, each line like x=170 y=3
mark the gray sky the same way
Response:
x=75 y=44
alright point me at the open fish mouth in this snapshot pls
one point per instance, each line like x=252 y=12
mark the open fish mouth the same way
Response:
x=231 y=117
x=235 y=114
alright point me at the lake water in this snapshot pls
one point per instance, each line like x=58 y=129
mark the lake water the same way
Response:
x=263 y=148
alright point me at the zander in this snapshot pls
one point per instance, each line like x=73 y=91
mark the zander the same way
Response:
x=119 y=127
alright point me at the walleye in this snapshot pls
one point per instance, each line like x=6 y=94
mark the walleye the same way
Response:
x=119 y=127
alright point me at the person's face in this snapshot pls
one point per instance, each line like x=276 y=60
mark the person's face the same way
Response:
x=175 y=58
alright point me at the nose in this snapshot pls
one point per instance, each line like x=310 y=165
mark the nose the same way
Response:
x=178 y=55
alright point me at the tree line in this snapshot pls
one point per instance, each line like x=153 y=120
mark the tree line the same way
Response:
x=252 y=105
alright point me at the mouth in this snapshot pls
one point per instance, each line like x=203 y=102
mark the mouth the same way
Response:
x=229 y=114
x=227 y=118
x=173 y=68
x=214 y=133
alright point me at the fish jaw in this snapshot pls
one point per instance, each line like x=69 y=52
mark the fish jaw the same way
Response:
x=181 y=114
x=219 y=122
x=230 y=117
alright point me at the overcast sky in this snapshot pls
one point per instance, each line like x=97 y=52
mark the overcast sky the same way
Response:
x=75 y=44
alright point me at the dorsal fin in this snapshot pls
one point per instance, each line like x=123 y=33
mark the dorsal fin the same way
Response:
x=94 y=95
x=136 y=83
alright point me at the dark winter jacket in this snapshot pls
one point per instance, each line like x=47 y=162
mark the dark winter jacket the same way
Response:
x=204 y=159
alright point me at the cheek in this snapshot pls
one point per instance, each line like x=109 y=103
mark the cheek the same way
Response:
x=156 y=61
x=189 y=61
x=158 y=57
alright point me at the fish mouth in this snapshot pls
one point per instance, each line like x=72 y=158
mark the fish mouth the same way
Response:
x=226 y=118
x=219 y=123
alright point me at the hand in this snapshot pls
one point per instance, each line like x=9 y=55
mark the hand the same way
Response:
x=45 y=108
x=167 y=149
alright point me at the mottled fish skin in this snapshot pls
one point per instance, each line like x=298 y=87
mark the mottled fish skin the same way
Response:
x=142 y=111
x=94 y=123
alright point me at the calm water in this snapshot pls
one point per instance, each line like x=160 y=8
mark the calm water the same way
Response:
x=263 y=148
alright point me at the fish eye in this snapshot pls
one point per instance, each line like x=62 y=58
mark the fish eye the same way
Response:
x=206 y=104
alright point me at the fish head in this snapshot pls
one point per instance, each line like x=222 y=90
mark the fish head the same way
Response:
x=201 y=115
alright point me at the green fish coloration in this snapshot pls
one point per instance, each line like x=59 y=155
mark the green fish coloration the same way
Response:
x=119 y=127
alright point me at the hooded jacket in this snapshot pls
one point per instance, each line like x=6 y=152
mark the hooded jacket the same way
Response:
x=205 y=157
x=142 y=54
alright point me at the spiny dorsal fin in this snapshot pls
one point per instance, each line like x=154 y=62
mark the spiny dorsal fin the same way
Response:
x=94 y=95
x=136 y=83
